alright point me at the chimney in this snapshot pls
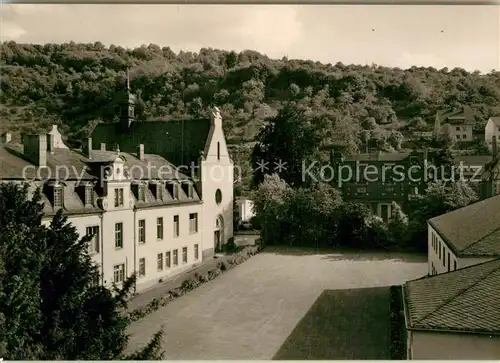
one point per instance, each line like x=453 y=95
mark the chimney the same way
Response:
x=494 y=147
x=140 y=152
x=88 y=147
x=35 y=149
x=103 y=146
x=50 y=143
x=7 y=137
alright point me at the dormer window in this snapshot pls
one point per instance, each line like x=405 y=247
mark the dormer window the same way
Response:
x=188 y=189
x=89 y=195
x=172 y=188
x=141 y=193
x=157 y=189
x=58 y=196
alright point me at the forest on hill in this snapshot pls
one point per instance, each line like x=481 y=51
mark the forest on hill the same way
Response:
x=76 y=86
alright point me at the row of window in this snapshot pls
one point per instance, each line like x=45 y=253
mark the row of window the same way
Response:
x=157 y=189
x=163 y=261
x=93 y=231
x=440 y=250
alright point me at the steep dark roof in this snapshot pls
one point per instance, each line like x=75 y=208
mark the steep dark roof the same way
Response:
x=465 y=300
x=68 y=164
x=179 y=141
x=465 y=116
x=473 y=230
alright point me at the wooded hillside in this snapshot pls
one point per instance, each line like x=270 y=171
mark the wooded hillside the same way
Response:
x=73 y=84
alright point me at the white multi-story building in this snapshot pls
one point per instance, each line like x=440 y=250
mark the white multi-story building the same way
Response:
x=157 y=197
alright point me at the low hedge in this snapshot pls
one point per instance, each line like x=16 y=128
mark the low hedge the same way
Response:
x=397 y=325
x=194 y=281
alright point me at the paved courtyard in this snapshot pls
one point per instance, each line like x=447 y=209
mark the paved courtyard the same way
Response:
x=259 y=309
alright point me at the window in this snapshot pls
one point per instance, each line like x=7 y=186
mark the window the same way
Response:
x=184 y=254
x=175 y=258
x=58 y=196
x=159 y=262
x=193 y=223
x=119 y=235
x=88 y=195
x=458 y=128
x=176 y=226
x=218 y=196
x=389 y=189
x=439 y=249
x=361 y=190
x=455 y=265
x=94 y=242
x=449 y=264
x=119 y=197
x=444 y=257
x=159 y=228
x=140 y=193
x=196 y=252
x=119 y=273
x=218 y=150
x=168 y=261
x=142 y=267
x=142 y=231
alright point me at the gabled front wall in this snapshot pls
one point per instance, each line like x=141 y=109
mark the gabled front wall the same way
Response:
x=438 y=252
x=216 y=174
x=437 y=345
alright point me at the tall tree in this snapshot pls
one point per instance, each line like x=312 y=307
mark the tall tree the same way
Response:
x=287 y=143
x=51 y=307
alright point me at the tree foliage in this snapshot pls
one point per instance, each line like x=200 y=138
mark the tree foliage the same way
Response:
x=51 y=304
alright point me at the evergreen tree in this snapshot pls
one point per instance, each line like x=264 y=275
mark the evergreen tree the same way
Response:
x=51 y=304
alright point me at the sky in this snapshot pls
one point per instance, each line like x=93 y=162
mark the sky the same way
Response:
x=402 y=36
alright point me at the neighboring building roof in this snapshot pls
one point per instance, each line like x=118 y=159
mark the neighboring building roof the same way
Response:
x=462 y=116
x=496 y=120
x=397 y=156
x=473 y=230
x=465 y=300
x=179 y=141
x=473 y=160
x=79 y=167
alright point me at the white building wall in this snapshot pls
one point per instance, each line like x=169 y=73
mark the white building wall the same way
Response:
x=436 y=346
x=245 y=209
x=438 y=252
x=154 y=246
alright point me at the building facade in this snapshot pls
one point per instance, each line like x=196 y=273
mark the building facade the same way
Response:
x=145 y=214
x=455 y=125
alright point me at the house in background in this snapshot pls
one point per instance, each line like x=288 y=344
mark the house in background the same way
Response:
x=455 y=315
x=492 y=130
x=464 y=237
x=245 y=209
x=384 y=182
x=455 y=125
x=145 y=213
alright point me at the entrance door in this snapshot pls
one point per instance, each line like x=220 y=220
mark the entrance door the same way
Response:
x=216 y=241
